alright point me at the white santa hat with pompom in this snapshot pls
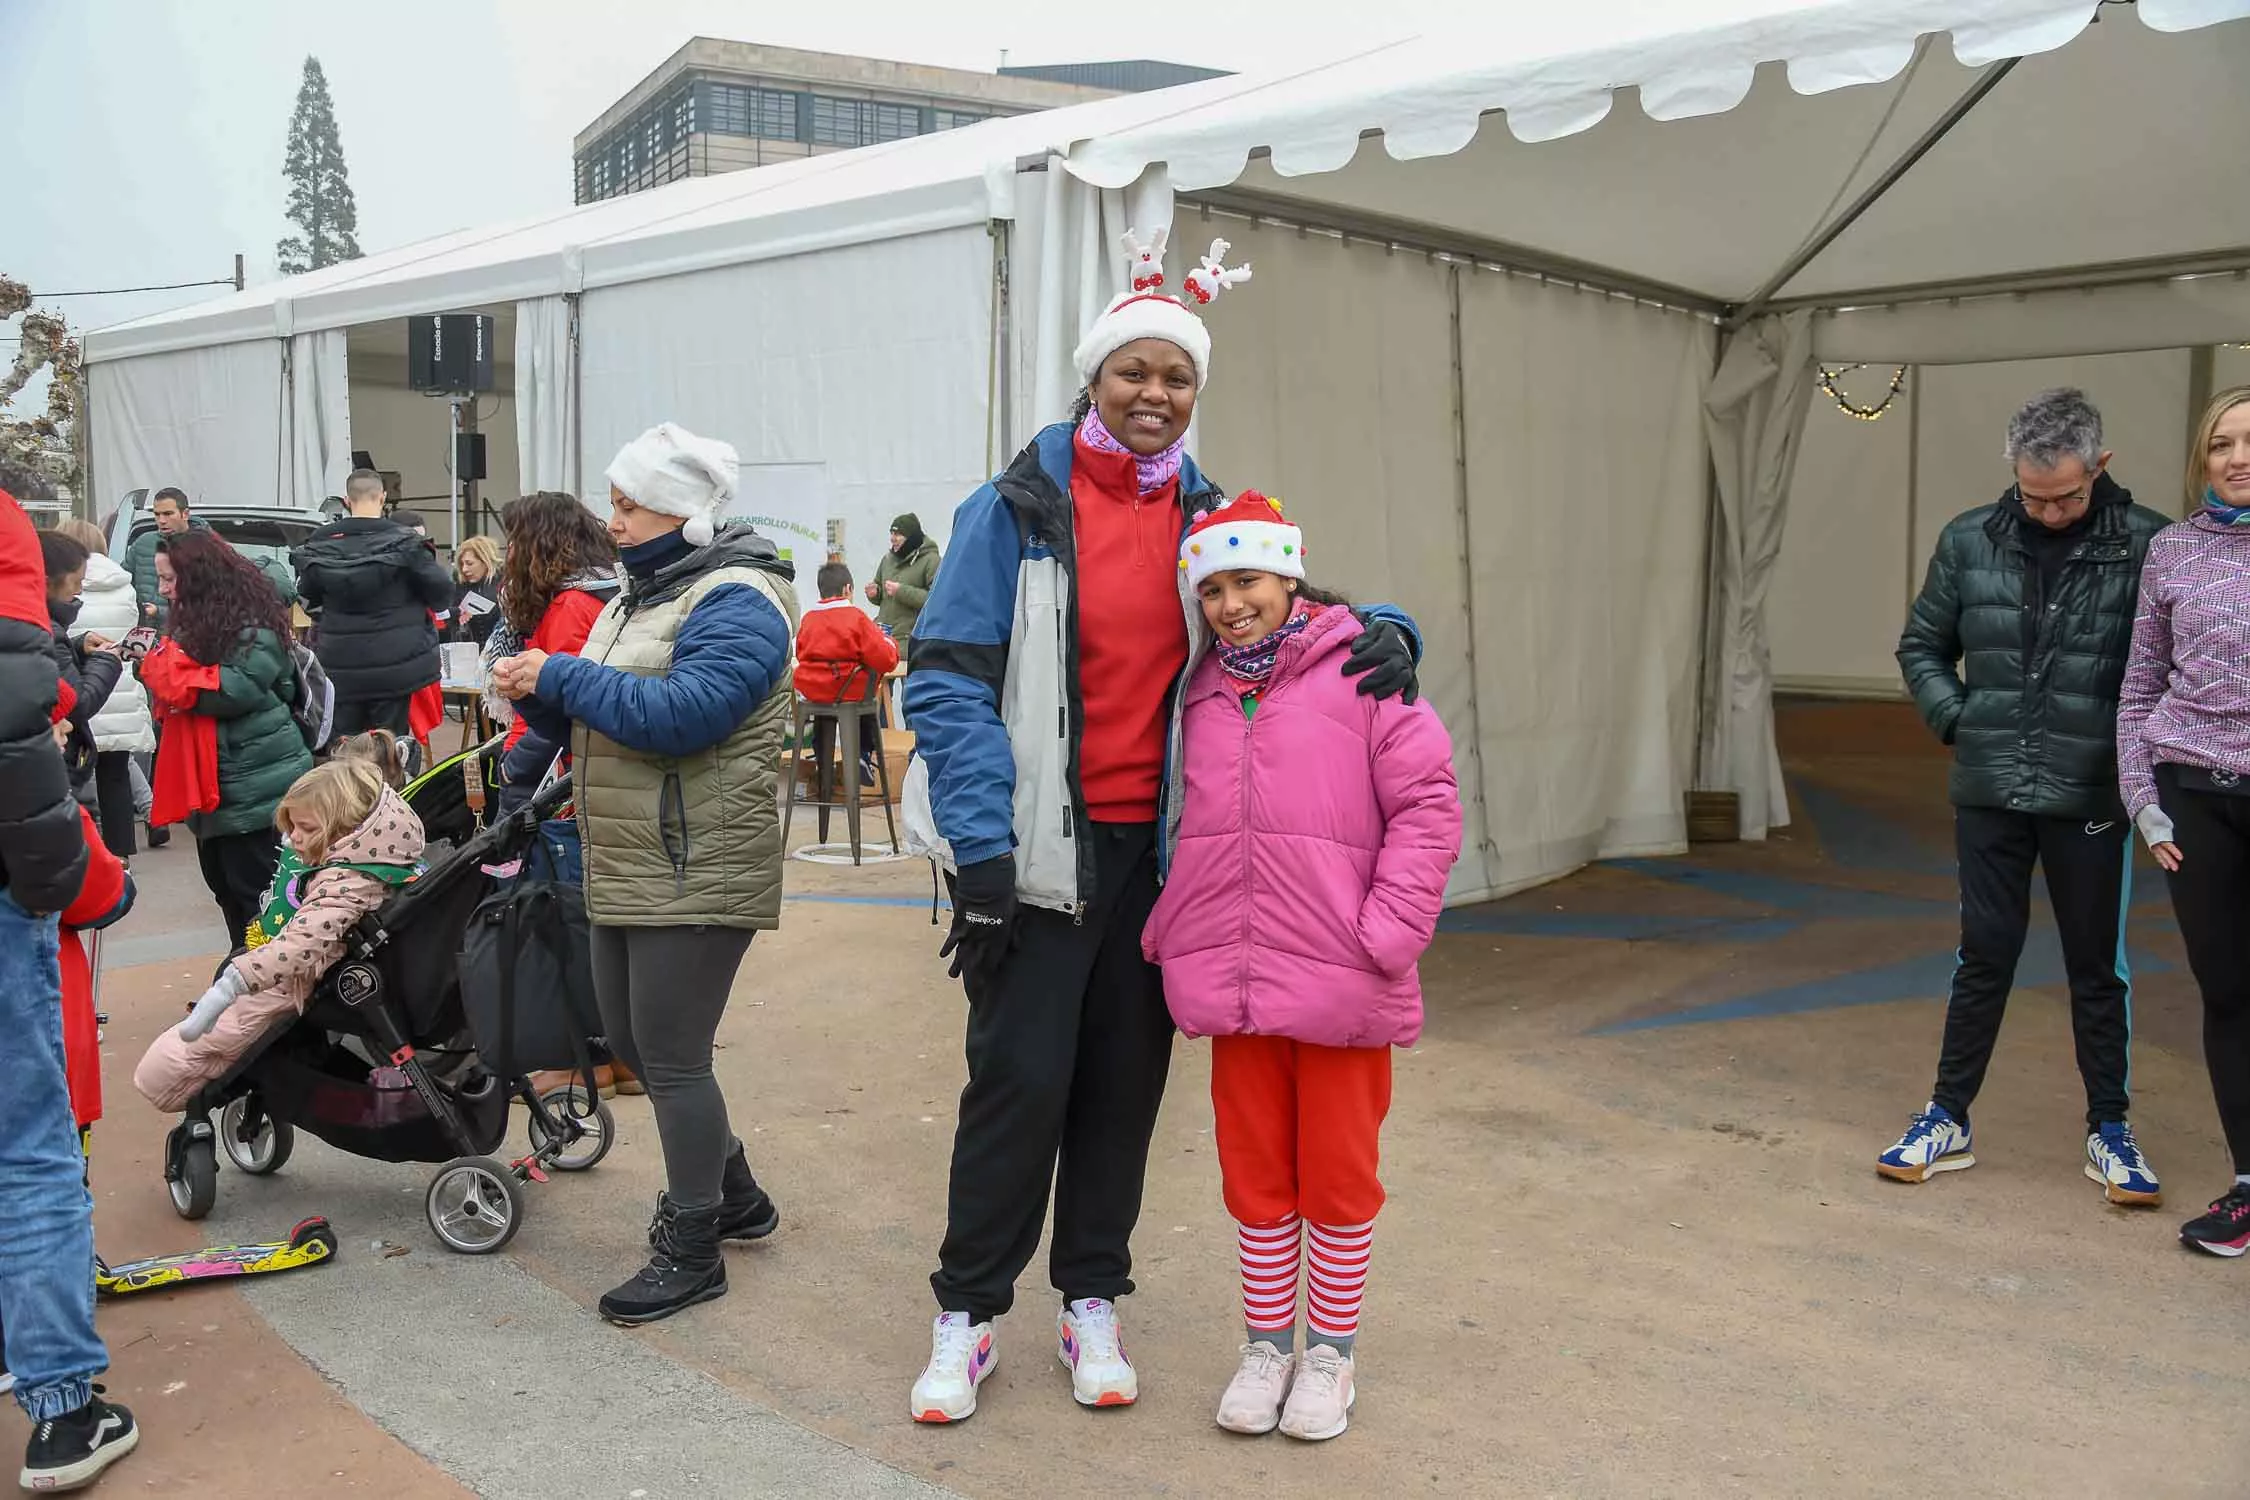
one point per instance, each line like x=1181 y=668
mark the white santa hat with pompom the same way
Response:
x=1148 y=312
x=671 y=471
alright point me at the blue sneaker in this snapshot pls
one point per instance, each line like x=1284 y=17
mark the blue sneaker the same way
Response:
x=2113 y=1159
x=1935 y=1142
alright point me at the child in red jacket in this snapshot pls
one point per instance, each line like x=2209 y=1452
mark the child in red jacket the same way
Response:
x=841 y=654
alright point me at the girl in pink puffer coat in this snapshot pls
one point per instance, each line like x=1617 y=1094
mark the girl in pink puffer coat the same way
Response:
x=1315 y=827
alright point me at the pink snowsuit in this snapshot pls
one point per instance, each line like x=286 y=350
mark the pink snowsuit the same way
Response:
x=280 y=974
x=1311 y=855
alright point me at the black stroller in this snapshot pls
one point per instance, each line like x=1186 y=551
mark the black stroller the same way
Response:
x=384 y=1064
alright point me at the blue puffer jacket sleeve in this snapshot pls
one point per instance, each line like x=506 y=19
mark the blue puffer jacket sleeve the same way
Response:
x=957 y=660
x=732 y=648
x=1369 y=614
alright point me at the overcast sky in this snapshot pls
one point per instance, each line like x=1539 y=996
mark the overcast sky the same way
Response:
x=151 y=131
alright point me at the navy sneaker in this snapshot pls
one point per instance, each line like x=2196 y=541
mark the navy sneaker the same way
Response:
x=1934 y=1142
x=2225 y=1228
x=2113 y=1159
x=71 y=1451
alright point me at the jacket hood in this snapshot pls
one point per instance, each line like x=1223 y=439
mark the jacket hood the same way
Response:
x=359 y=540
x=735 y=547
x=390 y=835
x=105 y=575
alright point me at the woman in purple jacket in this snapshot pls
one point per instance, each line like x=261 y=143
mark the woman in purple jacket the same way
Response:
x=1309 y=859
x=2183 y=763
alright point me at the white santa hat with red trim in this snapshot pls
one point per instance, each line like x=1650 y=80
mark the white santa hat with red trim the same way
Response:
x=671 y=471
x=1247 y=534
x=1148 y=312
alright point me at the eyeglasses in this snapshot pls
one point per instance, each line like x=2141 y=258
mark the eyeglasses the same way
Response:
x=2056 y=502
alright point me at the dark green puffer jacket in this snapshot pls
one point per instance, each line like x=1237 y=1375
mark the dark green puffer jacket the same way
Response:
x=261 y=750
x=2025 y=689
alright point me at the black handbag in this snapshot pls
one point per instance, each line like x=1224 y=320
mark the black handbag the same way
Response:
x=527 y=979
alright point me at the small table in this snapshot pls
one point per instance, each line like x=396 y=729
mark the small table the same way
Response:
x=474 y=713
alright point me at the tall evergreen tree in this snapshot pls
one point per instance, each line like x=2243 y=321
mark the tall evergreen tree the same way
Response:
x=320 y=192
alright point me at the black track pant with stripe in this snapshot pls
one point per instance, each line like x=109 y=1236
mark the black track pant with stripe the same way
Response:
x=2088 y=866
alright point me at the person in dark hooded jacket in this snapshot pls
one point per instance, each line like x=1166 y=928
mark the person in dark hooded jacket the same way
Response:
x=904 y=578
x=375 y=588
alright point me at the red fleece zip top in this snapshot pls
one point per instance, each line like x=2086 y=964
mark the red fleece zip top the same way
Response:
x=1132 y=636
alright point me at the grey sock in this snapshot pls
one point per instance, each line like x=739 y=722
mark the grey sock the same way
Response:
x=1342 y=1346
x=1284 y=1339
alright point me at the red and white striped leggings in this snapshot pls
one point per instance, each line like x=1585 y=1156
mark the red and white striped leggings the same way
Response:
x=1299 y=1128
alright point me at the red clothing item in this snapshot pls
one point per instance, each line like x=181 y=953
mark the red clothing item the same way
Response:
x=98 y=900
x=425 y=711
x=1132 y=633
x=23 y=571
x=1299 y=1128
x=187 y=757
x=840 y=651
x=562 y=631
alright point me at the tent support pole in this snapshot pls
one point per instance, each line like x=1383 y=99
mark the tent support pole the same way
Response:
x=1002 y=421
x=1460 y=391
x=2203 y=378
x=1913 y=483
x=1810 y=251
x=573 y=462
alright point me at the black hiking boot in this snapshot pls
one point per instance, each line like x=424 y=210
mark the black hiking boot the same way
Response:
x=687 y=1269
x=70 y=1452
x=745 y=1212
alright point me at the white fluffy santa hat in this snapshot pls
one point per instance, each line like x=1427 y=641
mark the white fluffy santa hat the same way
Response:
x=1247 y=535
x=671 y=471
x=1148 y=312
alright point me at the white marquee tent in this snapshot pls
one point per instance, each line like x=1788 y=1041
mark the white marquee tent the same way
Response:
x=1505 y=333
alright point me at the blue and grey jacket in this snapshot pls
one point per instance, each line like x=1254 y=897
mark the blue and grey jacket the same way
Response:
x=992 y=687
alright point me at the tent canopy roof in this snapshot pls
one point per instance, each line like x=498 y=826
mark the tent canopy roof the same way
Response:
x=2108 y=144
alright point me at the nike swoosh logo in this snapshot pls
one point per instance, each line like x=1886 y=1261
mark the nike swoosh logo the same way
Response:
x=2095 y=828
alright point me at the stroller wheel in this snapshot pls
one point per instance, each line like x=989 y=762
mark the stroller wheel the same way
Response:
x=474 y=1205
x=586 y=1134
x=265 y=1152
x=194 y=1182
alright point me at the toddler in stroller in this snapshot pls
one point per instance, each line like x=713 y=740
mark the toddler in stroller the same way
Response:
x=349 y=842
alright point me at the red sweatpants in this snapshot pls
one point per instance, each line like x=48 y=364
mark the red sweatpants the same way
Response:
x=1299 y=1127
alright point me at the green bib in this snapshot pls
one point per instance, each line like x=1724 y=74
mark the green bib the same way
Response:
x=290 y=879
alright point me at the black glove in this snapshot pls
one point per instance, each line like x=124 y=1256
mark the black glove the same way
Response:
x=984 y=919
x=1385 y=653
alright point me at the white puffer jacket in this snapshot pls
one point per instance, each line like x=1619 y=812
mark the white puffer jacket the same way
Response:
x=106 y=607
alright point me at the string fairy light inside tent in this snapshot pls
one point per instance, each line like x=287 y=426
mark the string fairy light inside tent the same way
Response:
x=1829 y=382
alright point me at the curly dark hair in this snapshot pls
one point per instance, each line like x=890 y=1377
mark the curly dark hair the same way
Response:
x=217 y=594
x=551 y=539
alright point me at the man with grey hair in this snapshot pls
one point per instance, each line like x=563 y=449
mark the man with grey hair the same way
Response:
x=374 y=588
x=2014 y=652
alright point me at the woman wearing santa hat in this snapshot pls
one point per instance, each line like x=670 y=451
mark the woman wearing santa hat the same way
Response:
x=674 y=712
x=1044 y=692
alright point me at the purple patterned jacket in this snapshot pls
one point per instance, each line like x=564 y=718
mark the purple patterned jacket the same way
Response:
x=2186 y=695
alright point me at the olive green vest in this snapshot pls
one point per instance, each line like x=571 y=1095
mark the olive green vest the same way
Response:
x=680 y=841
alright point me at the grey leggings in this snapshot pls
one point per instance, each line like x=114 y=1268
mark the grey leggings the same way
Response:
x=661 y=992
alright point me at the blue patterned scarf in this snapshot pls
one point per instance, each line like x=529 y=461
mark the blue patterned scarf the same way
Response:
x=1253 y=663
x=2224 y=514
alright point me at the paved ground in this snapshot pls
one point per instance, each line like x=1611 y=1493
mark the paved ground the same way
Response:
x=1635 y=1246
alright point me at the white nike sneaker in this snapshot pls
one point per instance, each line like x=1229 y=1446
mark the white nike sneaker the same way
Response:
x=1321 y=1398
x=1088 y=1345
x=962 y=1354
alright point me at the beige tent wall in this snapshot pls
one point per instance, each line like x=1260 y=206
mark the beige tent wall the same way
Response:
x=1560 y=606
x=1861 y=525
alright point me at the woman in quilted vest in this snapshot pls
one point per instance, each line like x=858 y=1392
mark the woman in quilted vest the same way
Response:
x=674 y=712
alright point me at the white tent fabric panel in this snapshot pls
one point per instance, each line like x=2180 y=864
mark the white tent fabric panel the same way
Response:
x=210 y=421
x=1964 y=421
x=320 y=418
x=870 y=360
x=1347 y=417
x=1850 y=565
x=547 y=393
x=1586 y=470
x=1770 y=149
x=2172 y=314
x=1840 y=591
x=1754 y=419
